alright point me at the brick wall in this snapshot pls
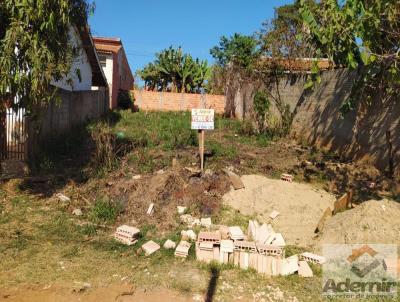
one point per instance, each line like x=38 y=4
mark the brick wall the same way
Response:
x=169 y=101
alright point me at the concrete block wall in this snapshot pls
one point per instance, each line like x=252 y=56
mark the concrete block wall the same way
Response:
x=318 y=120
x=170 y=101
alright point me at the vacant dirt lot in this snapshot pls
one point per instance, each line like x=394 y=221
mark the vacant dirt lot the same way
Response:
x=47 y=252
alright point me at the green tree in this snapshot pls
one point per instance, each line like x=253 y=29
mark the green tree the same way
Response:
x=175 y=71
x=359 y=33
x=35 y=46
x=261 y=109
x=239 y=49
x=282 y=36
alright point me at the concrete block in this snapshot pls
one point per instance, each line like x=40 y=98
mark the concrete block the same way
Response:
x=216 y=253
x=245 y=246
x=204 y=255
x=276 y=266
x=287 y=177
x=206 y=222
x=261 y=261
x=181 y=210
x=61 y=197
x=169 y=244
x=244 y=260
x=150 y=247
x=253 y=260
x=305 y=270
x=290 y=265
x=252 y=230
x=236 y=258
x=236 y=233
x=182 y=249
x=230 y=258
x=227 y=246
x=264 y=232
x=272 y=266
x=191 y=234
x=206 y=245
x=270 y=239
x=313 y=258
x=278 y=240
x=269 y=250
x=214 y=237
x=128 y=230
x=223 y=257
x=150 y=210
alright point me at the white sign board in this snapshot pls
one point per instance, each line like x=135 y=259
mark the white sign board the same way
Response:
x=203 y=119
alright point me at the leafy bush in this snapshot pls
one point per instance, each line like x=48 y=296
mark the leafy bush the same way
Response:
x=104 y=143
x=125 y=99
x=261 y=110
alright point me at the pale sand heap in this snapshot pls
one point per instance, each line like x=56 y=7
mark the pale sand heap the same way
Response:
x=300 y=206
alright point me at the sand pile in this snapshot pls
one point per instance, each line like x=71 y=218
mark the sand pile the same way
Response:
x=371 y=222
x=300 y=206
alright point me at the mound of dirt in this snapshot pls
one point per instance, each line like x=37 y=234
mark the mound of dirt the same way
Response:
x=300 y=206
x=167 y=190
x=372 y=221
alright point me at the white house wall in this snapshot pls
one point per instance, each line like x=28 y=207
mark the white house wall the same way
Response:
x=108 y=69
x=80 y=62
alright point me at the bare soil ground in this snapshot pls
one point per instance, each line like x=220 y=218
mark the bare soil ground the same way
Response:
x=119 y=293
x=374 y=221
x=300 y=206
x=45 y=249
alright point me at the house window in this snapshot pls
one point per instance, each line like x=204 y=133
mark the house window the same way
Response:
x=103 y=60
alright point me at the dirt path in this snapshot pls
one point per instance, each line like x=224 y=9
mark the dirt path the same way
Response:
x=300 y=206
x=120 y=293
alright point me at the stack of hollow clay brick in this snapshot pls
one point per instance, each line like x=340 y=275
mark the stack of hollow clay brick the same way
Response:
x=265 y=258
x=182 y=250
x=126 y=234
x=208 y=246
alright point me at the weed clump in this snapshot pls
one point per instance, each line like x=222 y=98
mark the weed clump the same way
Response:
x=104 y=211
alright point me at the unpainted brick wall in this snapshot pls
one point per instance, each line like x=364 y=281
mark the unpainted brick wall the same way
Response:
x=170 y=101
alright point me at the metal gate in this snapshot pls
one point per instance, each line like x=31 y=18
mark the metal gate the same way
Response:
x=13 y=137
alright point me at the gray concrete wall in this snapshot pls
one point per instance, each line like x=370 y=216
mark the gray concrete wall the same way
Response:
x=359 y=134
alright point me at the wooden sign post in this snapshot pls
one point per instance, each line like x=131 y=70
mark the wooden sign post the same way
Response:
x=202 y=119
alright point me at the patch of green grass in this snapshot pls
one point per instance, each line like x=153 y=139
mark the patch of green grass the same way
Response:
x=104 y=211
x=291 y=250
x=89 y=230
x=17 y=200
x=19 y=240
x=229 y=216
x=221 y=150
x=169 y=130
x=183 y=286
x=60 y=228
x=110 y=245
x=71 y=252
